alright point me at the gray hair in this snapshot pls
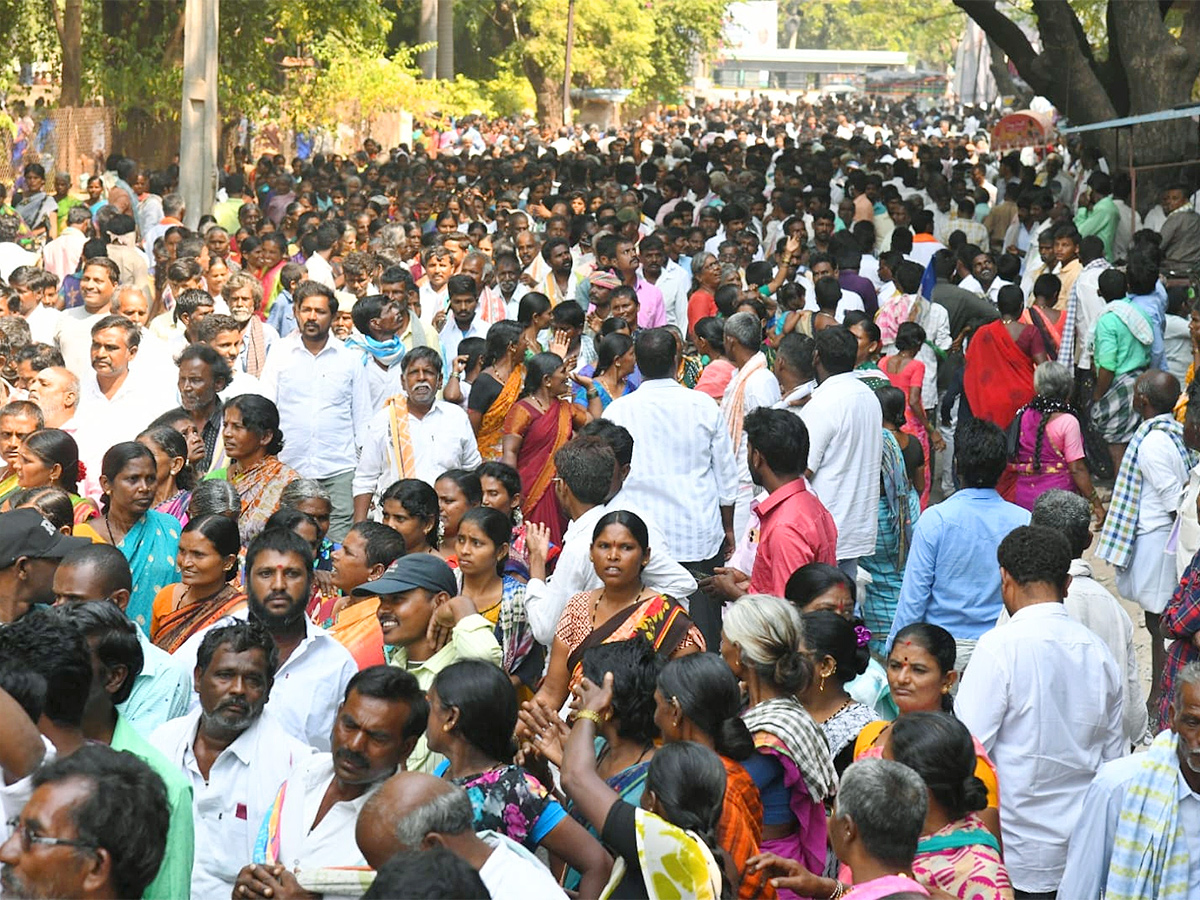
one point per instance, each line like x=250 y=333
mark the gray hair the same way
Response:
x=700 y=260
x=172 y=205
x=1067 y=513
x=303 y=489
x=887 y=802
x=744 y=328
x=770 y=634
x=1053 y=380
x=391 y=236
x=215 y=497
x=1188 y=675
x=448 y=813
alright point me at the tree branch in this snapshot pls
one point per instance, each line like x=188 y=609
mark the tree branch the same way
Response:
x=1001 y=29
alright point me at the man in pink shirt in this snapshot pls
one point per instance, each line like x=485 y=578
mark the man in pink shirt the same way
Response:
x=619 y=255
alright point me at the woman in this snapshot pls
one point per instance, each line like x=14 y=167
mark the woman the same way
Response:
x=457 y=491
x=472 y=714
x=216 y=275
x=822 y=586
x=181 y=420
x=410 y=507
x=956 y=853
x=998 y=379
x=906 y=372
x=1049 y=450
x=205 y=593
x=920 y=671
x=533 y=315
x=55 y=505
x=710 y=341
x=174 y=475
x=697 y=699
x=215 y=498
x=702 y=299
x=501 y=486
x=149 y=539
x=609 y=376
x=623 y=608
x=870 y=348
x=1048 y=321
x=481 y=546
x=497 y=387
x=307 y=496
x=840 y=654
x=901 y=479
x=50 y=458
x=272 y=257
x=538 y=424
x=252 y=443
x=763 y=641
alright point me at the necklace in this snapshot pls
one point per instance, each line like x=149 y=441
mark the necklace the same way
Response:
x=837 y=712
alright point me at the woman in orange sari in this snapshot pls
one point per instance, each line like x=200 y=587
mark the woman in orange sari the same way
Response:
x=1001 y=357
x=538 y=424
x=1043 y=316
x=496 y=388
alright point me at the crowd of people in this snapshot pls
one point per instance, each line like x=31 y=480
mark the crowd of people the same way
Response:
x=697 y=509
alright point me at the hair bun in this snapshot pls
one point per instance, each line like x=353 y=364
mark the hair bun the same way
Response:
x=974 y=793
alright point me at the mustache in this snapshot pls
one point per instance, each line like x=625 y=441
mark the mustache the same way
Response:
x=233 y=704
x=355 y=759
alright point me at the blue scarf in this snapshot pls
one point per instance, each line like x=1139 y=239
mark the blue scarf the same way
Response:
x=387 y=353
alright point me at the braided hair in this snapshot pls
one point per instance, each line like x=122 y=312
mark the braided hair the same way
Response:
x=1047 y=406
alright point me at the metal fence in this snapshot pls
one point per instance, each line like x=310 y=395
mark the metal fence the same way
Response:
x=73 y=140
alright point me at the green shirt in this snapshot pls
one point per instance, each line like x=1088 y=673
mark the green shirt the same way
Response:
x=174 y=879
x=1116 y=348
x=1101 y=220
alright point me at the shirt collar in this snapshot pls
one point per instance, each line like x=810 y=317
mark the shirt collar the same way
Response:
x=778 y=497
x=1041 y=611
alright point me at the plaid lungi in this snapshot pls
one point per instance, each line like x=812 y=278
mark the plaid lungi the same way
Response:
x=1113 y=414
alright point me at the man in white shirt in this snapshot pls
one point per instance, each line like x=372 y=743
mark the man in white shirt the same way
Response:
x=845 y=424
x=463 y=321
x=823 y=265
x=751 y=387
x=416 y=811
x=13 y=254
x=61 y=256
x=324 y=401
x=55 y=390
x=233 y=753
x=316 y=668
x=685 y=475
x=43 y=320
x=414 y=435
x=313 y=817
x=1045 y=698
x=97 y=286
x=319 y=268
x=376 y=323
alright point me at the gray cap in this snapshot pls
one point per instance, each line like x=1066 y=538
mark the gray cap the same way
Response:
x=417 y=570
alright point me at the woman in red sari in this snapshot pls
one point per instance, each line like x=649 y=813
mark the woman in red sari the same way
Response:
x=538 y=424
x=1001 y=357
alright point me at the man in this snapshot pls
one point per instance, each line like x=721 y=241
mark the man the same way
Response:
x=925 y=245
x=1121 y=344
x=18 y=420
x=950 y=579
x=463 y=321
x=192 y=306
x=1089 y=602
x=1141 y=515
x=365 y=554
x=1043 y=261
x=173 y=212
x=224 y=335
x=99 y=573
x=416 y=811
x=397 y=285
x=226 y=211
x=588 y=471
x=1040 y=667
x=324 y=401
x=668 y=276
x=1137 y=830
x=310 y=826
x=1097 y=213
x=1147 y=294
x=243 y=293
x=502 y=300
x=55 y=390
x=417 y=597
x=32 y=548
x=1084 y=306
x=1066 y=252
x=116 y=660
x=413 y=435
x=376 y=320
x=42 y=319
x=233 y=753
x=751 y=387
x=319 y=268
x=314 y=668
x=203 y=374
x=1180 y=232
x=685 y=476
x=97 y=285
x=794 y=371
x=619 y=255
x=982 y=279
x=823 y=265
x=560 y=282
x=120 y=232
x=844 y=422
x=110 y=809
x=793 y=528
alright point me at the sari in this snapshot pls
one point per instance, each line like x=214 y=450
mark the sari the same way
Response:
x=867 y=746
x=739 y=829
x=629 y=784
x=1037 y=465
x=963 y=859
x=176 y=506
x=172 y=627
x=150 y=546
x=356 y=628
x=1050 y=331
x=909 y=377
x=260 y=488
x=674 y=863
x=82 y=509
x=520 y=654
x=899 y=508
x=491 y=431
x=998 y=379
x=542 y=433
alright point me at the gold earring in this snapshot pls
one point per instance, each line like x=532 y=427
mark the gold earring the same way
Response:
x=821 y=686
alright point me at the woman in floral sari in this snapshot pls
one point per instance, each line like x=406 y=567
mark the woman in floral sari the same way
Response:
x=536 y=427
x=496 y=388
x=50 y=458
x=252 y=443
x=175 y=476
x=205 y=593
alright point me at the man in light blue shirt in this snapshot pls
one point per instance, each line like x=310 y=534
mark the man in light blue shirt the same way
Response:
x=1147 y=293
x=951 y=578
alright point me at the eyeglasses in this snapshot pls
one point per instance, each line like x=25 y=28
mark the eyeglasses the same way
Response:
x=28 y=838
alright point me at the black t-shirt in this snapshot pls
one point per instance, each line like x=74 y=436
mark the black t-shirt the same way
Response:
x=484 y=392
x=620 y=835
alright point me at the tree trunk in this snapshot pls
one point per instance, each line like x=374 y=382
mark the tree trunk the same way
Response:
x=68 y=22
x=427 y=35
x=547 y=90
x=445 y=39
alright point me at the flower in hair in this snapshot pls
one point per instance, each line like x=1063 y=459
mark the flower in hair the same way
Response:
x=82 y=471
x=863 y=634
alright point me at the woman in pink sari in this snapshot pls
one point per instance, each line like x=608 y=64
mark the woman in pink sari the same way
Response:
x=536 y=426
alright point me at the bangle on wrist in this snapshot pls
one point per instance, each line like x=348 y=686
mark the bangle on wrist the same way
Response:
x=838 y=891
x=592 y=393
x=591 y=715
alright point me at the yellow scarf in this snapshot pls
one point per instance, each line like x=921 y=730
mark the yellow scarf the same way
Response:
x=402 y=448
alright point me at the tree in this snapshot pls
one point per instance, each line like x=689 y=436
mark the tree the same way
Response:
x=1150 y=62
x=926 y=29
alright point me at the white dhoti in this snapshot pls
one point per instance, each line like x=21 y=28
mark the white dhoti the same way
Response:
x=1149 y=580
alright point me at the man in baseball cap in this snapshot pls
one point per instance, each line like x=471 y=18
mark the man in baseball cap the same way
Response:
x=428 y=625
x=30 y=548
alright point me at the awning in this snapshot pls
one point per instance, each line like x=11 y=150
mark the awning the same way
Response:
x=1022 y=129
x=1179 y=112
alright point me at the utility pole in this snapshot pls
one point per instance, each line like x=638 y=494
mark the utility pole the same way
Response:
x=567 y=63
x=199 y=132
x=427 y=35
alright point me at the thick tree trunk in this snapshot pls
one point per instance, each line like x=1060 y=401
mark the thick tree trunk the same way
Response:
x=427 y=35
x=547 y=90
x=68 y=22
x=445 y=39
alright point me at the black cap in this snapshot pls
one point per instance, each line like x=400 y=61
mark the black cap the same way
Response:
x=417 y=570
x=26 y=532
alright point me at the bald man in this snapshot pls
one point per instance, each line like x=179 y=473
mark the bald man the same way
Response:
x=56 y=392
x=1141 y=516
x=415 y=811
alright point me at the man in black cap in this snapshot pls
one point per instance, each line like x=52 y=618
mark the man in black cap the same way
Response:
x=30 y=548
x=428 y=625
